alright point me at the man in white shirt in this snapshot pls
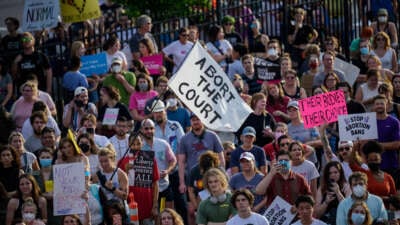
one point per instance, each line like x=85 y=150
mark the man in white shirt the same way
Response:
x=120 y=139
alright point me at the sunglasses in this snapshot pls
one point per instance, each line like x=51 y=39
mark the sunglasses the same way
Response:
x=26 y=39
x=344 y=148
x=284 y=144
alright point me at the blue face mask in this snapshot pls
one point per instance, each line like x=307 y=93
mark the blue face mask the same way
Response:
x=45 y=162
x=364 y=51
x=357 y=218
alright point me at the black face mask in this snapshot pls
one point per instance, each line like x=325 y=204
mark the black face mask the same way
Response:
x=84 y=147
x=374 y=166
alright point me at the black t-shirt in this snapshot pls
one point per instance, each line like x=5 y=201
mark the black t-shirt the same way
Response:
x=11 y=46
x=255 y=44
x=36 y=64
x=354 y=107
x=233 y=38
x=258 y=122
x=304 y=34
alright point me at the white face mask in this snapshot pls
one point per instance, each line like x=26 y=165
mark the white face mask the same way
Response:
x=172 y=102
x=116 y=68
x=382 y=19
x=28 y=216
x=272 y=52
x=359 y=190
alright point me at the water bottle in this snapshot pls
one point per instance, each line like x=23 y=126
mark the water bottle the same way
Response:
x=133 y=210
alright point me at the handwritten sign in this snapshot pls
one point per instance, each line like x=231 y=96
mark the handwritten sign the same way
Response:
x=69 y=184
x=362 y=126
x=94 y=64
x=40 y=14
x=153 y=63
x=267 y=70
x=110 y=116
x=141 y=175
x=322 y=108
x=202 y=85
x=279 y=212
x=79 y=10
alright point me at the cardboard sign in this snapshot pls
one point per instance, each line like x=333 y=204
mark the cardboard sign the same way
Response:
x=279 y=212
x=94 y=64
x=40 y=14
x=202 y=85
x=69 y=185
x=141 y=175
x=322 y=108
x=153 y=63
x=362 y=126
x=110 y=116
x=267 y=70
x=79 y=10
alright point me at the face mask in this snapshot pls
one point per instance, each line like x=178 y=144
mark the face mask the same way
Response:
x=278 y=135
x=84 y=147
x=313 y=65
x=172 y=102
x=364 y=51
x=143 y=86
x=357 y=218
x=374 y=166
x=272 y=52
x=28 y=216
x=45 y=162
x=116 y=68
x=382 y=19
x=359 y=191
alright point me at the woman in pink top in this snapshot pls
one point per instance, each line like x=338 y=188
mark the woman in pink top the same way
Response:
x=144 y=91
x=22 y=108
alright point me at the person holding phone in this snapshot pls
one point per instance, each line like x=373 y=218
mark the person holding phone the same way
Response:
x=282 y=181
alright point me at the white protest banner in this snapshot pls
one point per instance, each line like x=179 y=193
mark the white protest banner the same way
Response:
x=362 y=126
x=205 y=88
x=318 y=109
x=351 y=71
x=110 y=116
x=279 y=212
x=40 y=14
x=69 y=185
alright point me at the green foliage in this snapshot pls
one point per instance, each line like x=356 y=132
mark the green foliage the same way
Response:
x=164 y=9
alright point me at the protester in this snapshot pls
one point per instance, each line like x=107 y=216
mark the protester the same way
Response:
x=10 y=165
x=170 y=217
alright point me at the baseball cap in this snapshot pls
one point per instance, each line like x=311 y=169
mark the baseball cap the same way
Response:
x=249 y=131
x=294 y=104
x=158 y=106
x=80 y=90
x=247 y=155
x=192 y=114
x=116 y=60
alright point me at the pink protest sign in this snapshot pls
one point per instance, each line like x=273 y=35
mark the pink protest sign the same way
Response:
x=327 y=107
x=153 y=63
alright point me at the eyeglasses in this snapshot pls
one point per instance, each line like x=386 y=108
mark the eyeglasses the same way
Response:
x=344 y=148
x=26 y=39
x=284 y=144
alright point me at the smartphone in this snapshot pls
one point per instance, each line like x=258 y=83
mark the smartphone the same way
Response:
x=90 y=130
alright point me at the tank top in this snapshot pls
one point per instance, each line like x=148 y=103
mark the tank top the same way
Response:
x=18 y=211
x=296 y=95
x=109 y=195
x=386 y=59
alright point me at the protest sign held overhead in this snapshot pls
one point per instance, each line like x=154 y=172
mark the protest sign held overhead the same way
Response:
x=267 y=70
x=94 y=64
x=362 y=126
x=207 y=91
x=279 y=212
x=40 y=14
x=322 y=108
x=69 y=185
x=79 y=10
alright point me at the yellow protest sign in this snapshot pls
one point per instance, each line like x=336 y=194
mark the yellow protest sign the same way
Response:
x=79 y=10
x=71 y=136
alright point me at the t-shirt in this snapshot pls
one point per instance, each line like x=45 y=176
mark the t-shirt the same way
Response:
x=319 y=77
x=35 y=63
x=258 y=122
x=302 y=134
x=389 y=130
x=238 y=181
x=11 y=46
x=138 y=100
x=233 y=38
x=130 y=77
x=254 y=219
x=258 y=153
x=235 y=68
x=33 y=144
x=219 y=48
x=308 y=170
x=74 y=79
x=193 y=146
x=172 y=133
x=178 y=51
x=27 y=129
x=314 y=222
x=27 y=159
x=180 y=115
x=120 y=146
x=214 y=212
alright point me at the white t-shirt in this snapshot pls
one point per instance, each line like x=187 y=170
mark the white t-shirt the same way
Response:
x=27 y=129
x=30 y=158
x=224 y=47
x=120 y=146
x=254 y=219
x=315 y=222
x=307 y=169
x=178 y=51
x=101 y=141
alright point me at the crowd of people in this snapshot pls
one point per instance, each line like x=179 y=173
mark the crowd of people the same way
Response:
x=197 y=175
